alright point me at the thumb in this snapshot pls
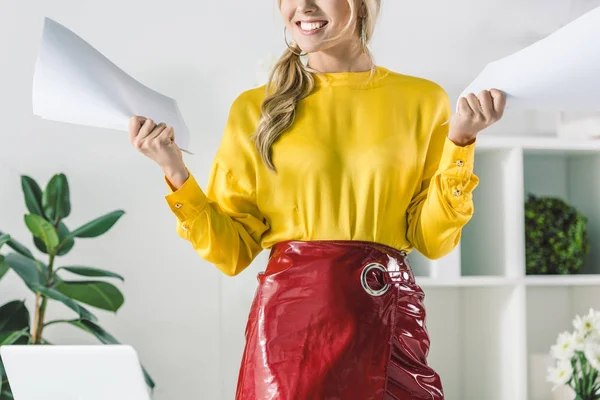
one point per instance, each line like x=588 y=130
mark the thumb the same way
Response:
x=169 y=140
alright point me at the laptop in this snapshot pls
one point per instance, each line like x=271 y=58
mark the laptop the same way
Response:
x=78 y=372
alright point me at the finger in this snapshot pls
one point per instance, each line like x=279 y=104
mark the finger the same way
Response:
x=167 y=136
x=499 y=102
x=145 y=130
x=135 y=123
x=486 y=105
x=463 y=107
x=156 y=131
x=474 y=104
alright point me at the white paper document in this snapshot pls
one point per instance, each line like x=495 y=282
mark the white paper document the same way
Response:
x=75 y=83
x=558 y=73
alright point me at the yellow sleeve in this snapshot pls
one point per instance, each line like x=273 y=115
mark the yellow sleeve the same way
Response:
x=223 y=224
x=444 y=203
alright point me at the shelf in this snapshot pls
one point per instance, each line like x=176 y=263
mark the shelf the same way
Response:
x=563 y=280
x=573 y=178
x=466 y=281
x=491 y=243
x=550 y=311
x=473 y=327
x=482 y=307
x=534 y=143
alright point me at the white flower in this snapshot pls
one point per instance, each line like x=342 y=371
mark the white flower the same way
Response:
x=564 y=349
x=588 y=324
x=592 y=354
x=560 y=374
x=579 y=341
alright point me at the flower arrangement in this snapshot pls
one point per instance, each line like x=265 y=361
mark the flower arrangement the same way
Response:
x=577 y=356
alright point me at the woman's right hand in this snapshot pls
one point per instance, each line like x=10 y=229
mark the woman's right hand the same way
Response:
x=157 y=142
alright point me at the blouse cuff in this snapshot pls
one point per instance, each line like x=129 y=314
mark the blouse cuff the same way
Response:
x=188 y=201
x=457 y=161
x=456 y=171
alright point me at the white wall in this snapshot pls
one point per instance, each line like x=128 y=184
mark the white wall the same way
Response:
x=184 y=318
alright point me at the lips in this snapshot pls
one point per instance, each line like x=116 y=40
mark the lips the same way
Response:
x=311 y=27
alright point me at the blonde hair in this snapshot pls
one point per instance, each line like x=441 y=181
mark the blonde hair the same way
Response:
x=291 y=81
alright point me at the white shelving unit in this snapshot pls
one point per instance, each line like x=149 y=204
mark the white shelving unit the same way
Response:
x=487 y=319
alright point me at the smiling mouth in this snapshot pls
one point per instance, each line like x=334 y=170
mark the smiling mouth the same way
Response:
x=311 y=27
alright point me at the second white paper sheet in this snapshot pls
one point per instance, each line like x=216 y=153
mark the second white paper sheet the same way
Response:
x=75 y=83
x=558 y=73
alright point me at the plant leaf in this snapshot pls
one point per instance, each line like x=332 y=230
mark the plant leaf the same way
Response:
x=1 y=379
x=4 y=267
x=92 y=272
x=14 y=337
x=148 y=378
x=55 y=199
x=6 y=395
x=19 y=248
x=26 y=268
x=95 y=330
x=98 y=226
x=14 y=316
x=33 y=195
x=4 y=386
x=107 y=338
x=42 y=229
x=103 y=295
x=4 y=238
x=72 y=304
x=64 y=239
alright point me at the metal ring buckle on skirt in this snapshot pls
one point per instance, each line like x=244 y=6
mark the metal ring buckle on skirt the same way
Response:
x=365 y=285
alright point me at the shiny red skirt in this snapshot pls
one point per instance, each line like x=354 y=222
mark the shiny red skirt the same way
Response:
x=337 y=320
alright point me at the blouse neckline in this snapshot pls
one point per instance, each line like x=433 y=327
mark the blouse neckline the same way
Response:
x=350 y=78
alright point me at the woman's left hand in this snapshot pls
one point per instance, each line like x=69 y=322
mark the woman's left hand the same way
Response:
x=475 y=113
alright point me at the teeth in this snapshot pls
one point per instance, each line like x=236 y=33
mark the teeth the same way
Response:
x=311 y=26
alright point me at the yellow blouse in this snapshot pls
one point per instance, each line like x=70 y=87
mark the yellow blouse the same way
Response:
x=363 y=161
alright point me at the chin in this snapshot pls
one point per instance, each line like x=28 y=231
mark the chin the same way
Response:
x=314 y=45
x=310 y=48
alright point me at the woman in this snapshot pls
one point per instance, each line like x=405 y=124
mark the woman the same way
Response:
x=340 y=168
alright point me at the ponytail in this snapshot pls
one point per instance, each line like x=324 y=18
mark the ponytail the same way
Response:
x=289 y=82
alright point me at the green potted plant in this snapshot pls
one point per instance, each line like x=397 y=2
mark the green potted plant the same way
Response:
x=48 y=280
x=556 y=236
